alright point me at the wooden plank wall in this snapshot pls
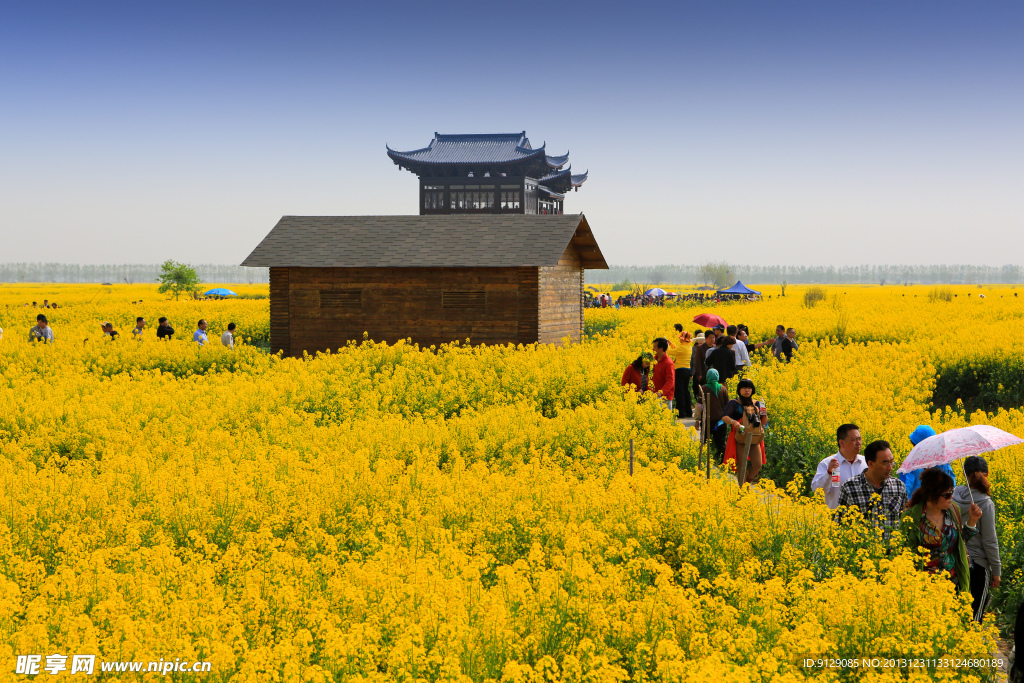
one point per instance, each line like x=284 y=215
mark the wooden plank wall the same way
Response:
x=400 y=303
x=528 y=305
x=279 y=320
x=561 y=309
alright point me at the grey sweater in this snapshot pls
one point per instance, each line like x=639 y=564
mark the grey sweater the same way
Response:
x=984 y=547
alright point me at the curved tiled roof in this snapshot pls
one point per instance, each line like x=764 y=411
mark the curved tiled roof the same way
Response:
x=463 y=154
x=487 y=148
x=558 y=161
x=563 y=180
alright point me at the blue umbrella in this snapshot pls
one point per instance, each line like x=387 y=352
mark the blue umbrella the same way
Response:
x=220 y=291
x=656 y=291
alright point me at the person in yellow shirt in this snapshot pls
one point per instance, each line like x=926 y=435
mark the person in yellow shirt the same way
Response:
x=680 y=355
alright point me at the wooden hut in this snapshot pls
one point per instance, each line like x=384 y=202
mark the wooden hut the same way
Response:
x=495 y=279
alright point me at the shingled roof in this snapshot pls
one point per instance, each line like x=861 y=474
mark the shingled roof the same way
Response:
x=447 y=241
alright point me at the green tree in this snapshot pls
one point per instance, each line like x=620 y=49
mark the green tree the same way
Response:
x=718 y=274
x=177 y=278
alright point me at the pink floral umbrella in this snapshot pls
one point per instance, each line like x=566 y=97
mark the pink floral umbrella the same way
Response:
x=946 y=447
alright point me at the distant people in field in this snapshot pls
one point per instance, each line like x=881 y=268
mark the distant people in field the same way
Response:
x=885 y=510
x=46 y=303
x=228 y=338
x=983 y=549
x=934 y=523
x=912 y=480
x=638 y=373
x=108 y=330
x=140 y=324
x=837 y=469
x=41 y=331
x=200 y=334
x=164 y=329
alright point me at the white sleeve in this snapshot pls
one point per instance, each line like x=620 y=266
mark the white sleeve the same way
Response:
x=832 y=495
x=821 y=476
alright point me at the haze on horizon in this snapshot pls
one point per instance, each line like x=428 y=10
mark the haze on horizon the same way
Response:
x=836 y=133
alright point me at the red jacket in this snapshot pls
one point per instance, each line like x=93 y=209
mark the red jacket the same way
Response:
x=633 y=377
x=663 y=375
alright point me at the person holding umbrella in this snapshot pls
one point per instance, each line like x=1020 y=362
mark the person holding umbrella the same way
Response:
x=944 y=448
x=933 y=522
x=983 y=549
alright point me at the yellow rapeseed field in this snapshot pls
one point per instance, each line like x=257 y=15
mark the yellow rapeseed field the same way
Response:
x=388 y=513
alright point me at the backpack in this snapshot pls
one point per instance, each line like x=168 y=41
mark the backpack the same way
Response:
x=750 y=433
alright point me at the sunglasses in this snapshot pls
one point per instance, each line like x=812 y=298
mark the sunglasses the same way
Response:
x=947 y=495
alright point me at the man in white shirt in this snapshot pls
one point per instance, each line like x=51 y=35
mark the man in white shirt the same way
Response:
x=848 y=461
x=228 y=338
x=742 y=355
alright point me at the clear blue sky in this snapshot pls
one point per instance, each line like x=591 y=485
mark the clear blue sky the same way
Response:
x=758 y=132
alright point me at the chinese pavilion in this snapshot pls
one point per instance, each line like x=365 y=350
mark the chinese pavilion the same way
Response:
x=489 y=173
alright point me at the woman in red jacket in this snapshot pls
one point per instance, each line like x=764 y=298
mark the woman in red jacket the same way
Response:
x=638 y=372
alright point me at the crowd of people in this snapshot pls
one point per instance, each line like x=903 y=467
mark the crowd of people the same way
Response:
x=43 y=333
x=954 y=525
x=643 y=300
x=706 y=362
x=626 y=301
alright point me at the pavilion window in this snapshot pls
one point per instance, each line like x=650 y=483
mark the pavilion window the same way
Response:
x=471 y=197
x=433 y=197
x=510 y=197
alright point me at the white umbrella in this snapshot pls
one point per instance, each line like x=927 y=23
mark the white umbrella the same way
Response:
x=955 y=444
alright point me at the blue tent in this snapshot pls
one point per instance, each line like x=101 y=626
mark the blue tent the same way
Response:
x=220 y=291
x=655 y=291
x=738 y=288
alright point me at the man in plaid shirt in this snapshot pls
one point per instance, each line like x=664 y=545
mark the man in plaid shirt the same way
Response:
x=861 y=491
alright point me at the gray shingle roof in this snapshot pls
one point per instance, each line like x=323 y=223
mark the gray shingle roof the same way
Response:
x=445 y=241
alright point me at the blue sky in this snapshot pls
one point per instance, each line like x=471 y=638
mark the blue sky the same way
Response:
x=756 y=132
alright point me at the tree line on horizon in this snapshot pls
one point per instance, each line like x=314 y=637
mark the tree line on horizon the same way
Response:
x=129 y=273
x=716 y=274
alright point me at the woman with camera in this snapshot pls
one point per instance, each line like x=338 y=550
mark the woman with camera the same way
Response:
x=747 y=419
